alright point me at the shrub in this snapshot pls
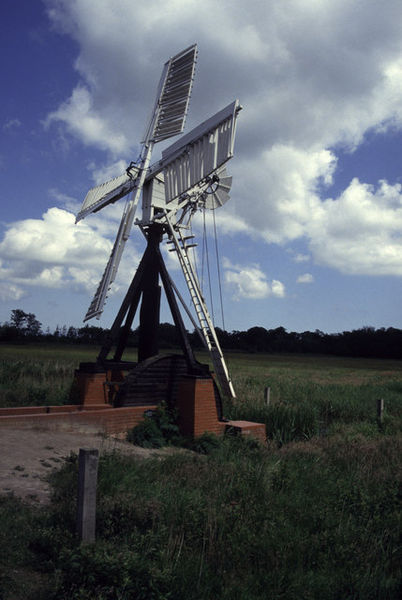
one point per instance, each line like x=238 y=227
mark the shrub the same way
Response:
x=156 y=430
x=146 y=434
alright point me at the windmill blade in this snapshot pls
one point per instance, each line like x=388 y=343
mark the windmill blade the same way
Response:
x=195 y=156
x=107 y=193
x=98 y=302
x=167 y=119
x=173 y=96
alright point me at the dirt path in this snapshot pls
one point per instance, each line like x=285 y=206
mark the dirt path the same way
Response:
x=27 y=456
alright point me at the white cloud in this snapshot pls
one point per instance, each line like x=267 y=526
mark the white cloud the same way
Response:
x=249 y=281
x=361 y=231
x=300 y=258
x=53 y=252
x=305 y=278
x=277 y=288
x=9 y=291
x=81 y=118
x=312 y=76
x=294 y=175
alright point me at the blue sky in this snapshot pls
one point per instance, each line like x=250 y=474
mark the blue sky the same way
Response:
x=311 y=238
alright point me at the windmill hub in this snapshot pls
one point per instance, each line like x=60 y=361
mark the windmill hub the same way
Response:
x=132 y=170
x=213 y=184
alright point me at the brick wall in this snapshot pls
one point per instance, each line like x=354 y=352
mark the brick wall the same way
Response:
x=197 y=407
x=107 y=419
x=91 y=387
x=248 y=428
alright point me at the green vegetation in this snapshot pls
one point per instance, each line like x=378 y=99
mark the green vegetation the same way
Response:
x=312 y=521
x=40 y=374
x=156 y=431
x=316 y=514
x=312 y=396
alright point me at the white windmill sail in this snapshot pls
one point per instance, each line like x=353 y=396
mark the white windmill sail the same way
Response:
x=174 y=90
x=195 y=156
x=167 y=119
x=106 y=193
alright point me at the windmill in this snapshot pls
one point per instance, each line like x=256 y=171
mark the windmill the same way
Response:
x=190 y=176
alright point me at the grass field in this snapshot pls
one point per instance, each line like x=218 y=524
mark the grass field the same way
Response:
x=316 y=514
x=309 y=394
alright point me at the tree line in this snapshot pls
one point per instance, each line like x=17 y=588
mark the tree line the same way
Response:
x=365 y=342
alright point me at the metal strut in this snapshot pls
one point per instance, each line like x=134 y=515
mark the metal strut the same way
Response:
x=206 y=326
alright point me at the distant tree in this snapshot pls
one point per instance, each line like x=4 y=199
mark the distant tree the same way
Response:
x=91 y=335
x=71 y=334
x=26 y=324
x=224 y=337
x=33 y=327
x=257 y=339
x=18 y=318
x=8 y=332
x=168 y=336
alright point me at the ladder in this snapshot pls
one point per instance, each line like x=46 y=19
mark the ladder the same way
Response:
x=207 y=329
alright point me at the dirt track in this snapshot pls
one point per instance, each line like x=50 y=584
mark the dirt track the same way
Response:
x=27 y=456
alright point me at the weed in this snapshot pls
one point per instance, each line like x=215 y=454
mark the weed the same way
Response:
x=156 y=430
x=315 y=514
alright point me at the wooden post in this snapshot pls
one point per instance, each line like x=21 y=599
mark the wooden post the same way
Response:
x=267 y=394
x=86 y=505
x=380 y=410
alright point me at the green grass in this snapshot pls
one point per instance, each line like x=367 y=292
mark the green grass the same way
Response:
x=315 y=395
x=41 y=375
x=316 y=514
x=315 y=520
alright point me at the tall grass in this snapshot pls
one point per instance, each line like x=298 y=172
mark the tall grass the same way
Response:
x=316 y=514
x=35 y=382
x=300 y=409
x=317 y=521
x=41 y=375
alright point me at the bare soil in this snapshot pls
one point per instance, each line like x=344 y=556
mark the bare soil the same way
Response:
x=27 y=456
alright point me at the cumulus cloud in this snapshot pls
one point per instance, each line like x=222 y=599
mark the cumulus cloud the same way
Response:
x=313 y=77
x=81 y=119
x=360 y=232
x=9 y=291
x=249 y=281
x=305 y=278
x=53 y=252
x=295 y=176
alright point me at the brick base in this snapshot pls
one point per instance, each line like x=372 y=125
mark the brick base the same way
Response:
x=197 y=407
x=248 y=428
x=72 y=418
x=90 y=388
